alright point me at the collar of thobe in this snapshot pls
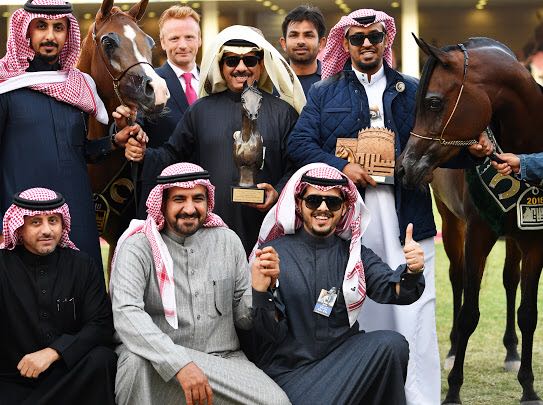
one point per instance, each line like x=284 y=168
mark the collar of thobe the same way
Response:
x=180 y=239
x=376 y=77
x=233 y=95
x=317 y=241
x=33 y=260
x=179 y=72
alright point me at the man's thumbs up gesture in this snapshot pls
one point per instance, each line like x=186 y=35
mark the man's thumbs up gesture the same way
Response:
x=414 y=255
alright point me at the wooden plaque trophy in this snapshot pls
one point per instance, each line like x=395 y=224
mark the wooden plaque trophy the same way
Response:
x=373 y=149
x=248 y=149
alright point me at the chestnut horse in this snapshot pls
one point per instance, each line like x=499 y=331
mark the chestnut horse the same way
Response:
x=465 y=89
x=117 y=54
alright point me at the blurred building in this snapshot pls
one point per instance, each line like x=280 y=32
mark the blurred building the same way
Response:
x=440 y=22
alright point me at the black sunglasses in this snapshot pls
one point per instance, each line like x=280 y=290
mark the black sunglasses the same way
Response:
x=248 y=60
x=314 y=201
x=375 y=38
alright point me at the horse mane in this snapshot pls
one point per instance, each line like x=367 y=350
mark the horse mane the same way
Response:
x=427 y=70
x=471 y=43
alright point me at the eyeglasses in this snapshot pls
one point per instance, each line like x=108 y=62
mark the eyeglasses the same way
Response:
x=314 y=201
x=375 y=38
x=248 y=60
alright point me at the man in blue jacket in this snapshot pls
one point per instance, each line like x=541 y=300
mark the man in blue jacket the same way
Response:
x=360 y=90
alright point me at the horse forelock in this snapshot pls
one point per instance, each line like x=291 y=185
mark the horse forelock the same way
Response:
x=427 y=70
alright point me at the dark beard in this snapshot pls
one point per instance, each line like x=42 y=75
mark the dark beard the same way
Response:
x=40 y=63
x=308 y=60
x=364 y=67
x=47 y=58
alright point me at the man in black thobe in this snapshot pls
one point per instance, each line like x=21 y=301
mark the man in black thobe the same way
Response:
x=204 y=136
x=54 y=310
x=311 y=343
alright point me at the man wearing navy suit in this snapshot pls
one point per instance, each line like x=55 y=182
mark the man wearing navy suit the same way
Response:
x=180 y=37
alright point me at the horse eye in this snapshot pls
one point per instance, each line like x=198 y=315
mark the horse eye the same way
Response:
x=150 y=42
x=110 y=41
x=434 y=104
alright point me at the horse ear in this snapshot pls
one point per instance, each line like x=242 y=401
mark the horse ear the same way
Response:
x=105 y=9
x=430 y=50
x=138 y=10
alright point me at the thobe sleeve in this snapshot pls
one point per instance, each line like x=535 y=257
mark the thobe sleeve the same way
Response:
x=304 y=144
x=129 y=279
x=288 y=165
x=3 y=118
x=97 y=321
x=180 y=147
x=97 y=149
x=381 y=281
x=242 y=299
x=269 y=318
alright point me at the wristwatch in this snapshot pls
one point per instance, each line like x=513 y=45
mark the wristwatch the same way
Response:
x=113 y=141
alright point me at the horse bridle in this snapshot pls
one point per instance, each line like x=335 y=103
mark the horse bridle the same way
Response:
x=441 y=139
x=116 y=80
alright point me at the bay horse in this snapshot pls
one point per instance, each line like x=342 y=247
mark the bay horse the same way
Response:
x=449 y=186
x=465 y=89
x=117 y=54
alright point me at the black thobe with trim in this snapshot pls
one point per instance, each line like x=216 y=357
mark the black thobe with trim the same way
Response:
x=318 y=359
x=205 y=137
x=57 y=301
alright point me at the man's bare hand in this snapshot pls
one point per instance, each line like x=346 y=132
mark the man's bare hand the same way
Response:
x=33 y=364
x=124 y=116
x=511 y=165
x=135 y=150
x=414 y=255
x=132 y=131
x=271 y=197
x=358 y=175
x=265 y=268
x=195 y=385
x=483 y=148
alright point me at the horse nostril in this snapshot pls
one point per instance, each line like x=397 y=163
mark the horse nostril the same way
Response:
x=148 y=88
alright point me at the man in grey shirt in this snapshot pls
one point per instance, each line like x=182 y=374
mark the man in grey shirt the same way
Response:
x=180 y=283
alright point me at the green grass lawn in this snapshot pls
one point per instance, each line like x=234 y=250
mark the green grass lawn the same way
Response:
x=485 y=381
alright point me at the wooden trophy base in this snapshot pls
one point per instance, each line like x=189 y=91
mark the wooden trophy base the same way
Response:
x=252 y=195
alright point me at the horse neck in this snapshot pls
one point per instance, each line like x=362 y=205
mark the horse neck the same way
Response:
x=517 y=103
x=519 y=119
x=248 y=128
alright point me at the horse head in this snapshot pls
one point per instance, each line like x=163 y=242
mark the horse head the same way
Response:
x=452 y=109
x=122 y=60
x=251 y=99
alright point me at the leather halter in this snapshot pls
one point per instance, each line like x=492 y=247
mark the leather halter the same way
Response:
x=116 y=80
x=441 y=139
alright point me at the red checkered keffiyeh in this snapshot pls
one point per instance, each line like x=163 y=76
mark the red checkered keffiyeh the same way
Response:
x=14 y=218
x=77 y=88
x=334 y=56
x=155 y=222
x=283 y=219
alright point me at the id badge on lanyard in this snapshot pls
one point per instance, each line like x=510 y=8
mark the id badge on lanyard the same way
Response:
x=326 y=302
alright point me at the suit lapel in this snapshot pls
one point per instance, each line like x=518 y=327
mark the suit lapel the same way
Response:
x=176 y=90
